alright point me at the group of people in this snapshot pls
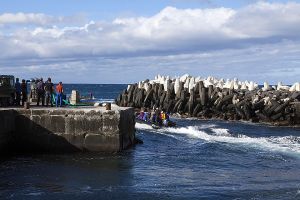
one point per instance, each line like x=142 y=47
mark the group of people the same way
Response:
x=156 y=117
x=20 y=92
x=43 y=91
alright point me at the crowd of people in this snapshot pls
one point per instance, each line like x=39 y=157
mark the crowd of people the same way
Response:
x=42 y=91
x=155 y=117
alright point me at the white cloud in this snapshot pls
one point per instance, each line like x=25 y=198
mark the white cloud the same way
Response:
x=37 y=19
x=213 y=39
x=176 y=23
x=22 y=18
x=263 y=20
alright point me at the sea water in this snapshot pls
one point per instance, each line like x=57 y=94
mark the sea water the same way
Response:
x=200 y=159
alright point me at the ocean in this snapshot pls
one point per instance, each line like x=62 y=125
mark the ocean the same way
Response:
x=200 y=159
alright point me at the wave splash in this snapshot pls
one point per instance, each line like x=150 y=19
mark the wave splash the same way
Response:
x=212 y=134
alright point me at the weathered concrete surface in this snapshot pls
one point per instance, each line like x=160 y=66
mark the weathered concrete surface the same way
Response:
x=6 y=127
x=71 y=129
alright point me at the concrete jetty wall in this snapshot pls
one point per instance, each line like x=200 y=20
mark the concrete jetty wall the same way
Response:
x=6 y=128
x=212 y=98
x=69 y=129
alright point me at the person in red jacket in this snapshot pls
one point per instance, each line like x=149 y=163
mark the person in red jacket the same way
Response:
x=59 y=93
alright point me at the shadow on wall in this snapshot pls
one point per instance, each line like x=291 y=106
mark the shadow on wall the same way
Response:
x=61 y=131
x=29 y=136
x=6 y=127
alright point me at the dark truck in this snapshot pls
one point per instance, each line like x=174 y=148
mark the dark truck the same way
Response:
x=7 y=90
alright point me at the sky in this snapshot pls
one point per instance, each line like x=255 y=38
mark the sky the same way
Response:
x=119 y=41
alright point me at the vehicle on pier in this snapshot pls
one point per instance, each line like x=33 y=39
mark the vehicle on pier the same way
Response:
x=7 y=90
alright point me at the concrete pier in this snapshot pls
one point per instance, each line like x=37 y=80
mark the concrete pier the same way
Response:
x=68 y=129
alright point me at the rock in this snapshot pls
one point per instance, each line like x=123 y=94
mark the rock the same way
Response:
x=240 y=112
x=296 y=95
x=196 y=110
x=280 y=86
x=258 y=105
x=266 y=87
x=211 y=97
x=96 y=104
x=202 y=93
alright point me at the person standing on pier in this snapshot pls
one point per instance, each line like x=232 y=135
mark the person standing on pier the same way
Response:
x=18 y=92
x=40 y=92
x=59 y=93
x=49 y=91
x=24 y=91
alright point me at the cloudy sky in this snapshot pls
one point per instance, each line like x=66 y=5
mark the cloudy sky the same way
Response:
x=119 y=41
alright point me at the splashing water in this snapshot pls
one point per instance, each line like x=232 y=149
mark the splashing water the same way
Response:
x=284 y=144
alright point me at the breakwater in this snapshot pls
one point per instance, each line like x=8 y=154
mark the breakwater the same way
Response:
x=67 y=129
x=217 y=98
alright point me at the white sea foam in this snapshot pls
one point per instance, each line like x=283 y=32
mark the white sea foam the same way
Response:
x=204 y=126
x=220 y=131
x=104 y=100
x=148 y=127
x=143 y=126
x=286 y=144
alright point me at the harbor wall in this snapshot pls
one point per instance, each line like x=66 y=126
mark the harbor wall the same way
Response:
x=6 y=128
x=70 y=129
x=275 y=106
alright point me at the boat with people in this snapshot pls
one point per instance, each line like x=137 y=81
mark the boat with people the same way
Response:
x=156 y=118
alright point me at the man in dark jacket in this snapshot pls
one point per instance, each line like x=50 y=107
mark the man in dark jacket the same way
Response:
x=18 y=92
x=24 y=91
x=40 y=92
x=49 y=91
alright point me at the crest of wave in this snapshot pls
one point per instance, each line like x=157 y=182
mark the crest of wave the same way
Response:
x=285 y=144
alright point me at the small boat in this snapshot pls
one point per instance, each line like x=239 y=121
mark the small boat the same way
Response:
x=156 y=125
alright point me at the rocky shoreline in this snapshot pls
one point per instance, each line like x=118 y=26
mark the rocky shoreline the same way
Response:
x=212 y=98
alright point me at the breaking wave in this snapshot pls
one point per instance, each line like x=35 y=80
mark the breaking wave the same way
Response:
x=212 y=134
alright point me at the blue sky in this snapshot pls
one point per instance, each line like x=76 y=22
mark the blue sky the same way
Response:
x=119 y=41
x=103 y=10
